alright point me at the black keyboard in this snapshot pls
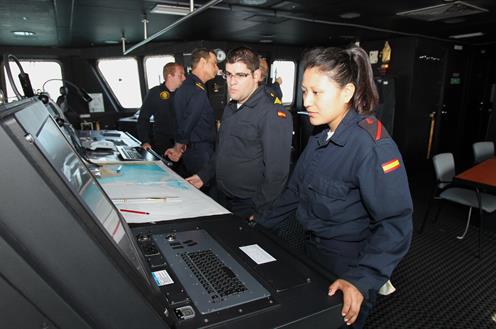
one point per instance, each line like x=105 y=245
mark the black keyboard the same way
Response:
x=217 y=279
x=129 y=153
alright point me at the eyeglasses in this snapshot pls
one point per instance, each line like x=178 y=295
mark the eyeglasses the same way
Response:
x=235 y=76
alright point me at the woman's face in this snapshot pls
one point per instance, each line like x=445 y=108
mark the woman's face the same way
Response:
x=325 y=101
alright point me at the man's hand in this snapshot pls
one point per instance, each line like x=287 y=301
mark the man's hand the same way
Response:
x=175 y=153
x=352 y=299
x=195 y=180
x=146 y=146
x=278 y=81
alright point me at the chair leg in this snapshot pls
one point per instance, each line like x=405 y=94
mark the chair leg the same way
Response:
x=460 y=237
x=479 y=199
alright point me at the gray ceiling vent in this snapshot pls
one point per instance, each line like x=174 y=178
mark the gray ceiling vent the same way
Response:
x=444 y=11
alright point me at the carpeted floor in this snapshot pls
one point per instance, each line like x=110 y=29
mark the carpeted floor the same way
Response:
x=441 y=284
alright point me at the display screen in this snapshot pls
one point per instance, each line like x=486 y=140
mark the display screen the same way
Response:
x=54 y=146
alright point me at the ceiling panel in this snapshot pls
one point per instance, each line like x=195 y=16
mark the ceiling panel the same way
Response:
x=82 y=23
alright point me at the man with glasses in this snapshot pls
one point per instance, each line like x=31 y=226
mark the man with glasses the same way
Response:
x=195 y=118
x=251 y=163
x=158 y=103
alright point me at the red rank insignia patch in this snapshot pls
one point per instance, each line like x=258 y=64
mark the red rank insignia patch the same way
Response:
x=390 y=166
x=281 y=114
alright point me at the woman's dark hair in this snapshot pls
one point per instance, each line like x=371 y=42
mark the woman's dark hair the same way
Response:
x=244 y=55
x=350 y=65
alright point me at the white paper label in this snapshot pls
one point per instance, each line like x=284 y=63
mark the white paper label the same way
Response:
x=162 y=278
x=257 y=254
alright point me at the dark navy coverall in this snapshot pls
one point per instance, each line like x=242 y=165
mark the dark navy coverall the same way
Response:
x=195 y=121
x=351 y=195
x=274 y=89
x=158 y=102
x=252 y=158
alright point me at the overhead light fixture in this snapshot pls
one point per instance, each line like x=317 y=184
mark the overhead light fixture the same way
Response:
x=23 y=33
x=350 y=15
x=253 y=2
x=170 y=10
x=466 y=35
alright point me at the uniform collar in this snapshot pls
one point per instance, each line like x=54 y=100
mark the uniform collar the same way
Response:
x=341 y=134
x=250 y=102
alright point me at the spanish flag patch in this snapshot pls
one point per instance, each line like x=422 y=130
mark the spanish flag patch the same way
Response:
x=390 y=166
x=281 y=114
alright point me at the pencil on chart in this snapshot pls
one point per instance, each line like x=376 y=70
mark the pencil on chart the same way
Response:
x=144 y=200
x=139 y=212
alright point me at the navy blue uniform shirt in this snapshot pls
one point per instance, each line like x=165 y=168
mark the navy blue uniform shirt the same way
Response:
x=253 y=152
x=352 y=189
x=274 y=89
x=158 y=102
x=195 y=117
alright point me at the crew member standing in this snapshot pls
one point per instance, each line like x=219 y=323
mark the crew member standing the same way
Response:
x=251 y=163
x=195 y=118
x=349 y=188
x=159 y=104
x=273 y=88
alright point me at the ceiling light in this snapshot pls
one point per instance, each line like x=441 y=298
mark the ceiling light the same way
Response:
x=253 y=2
x=23 y=33
x=265 y=41
x=350 y=15
x=466 y=35
x=170 y=10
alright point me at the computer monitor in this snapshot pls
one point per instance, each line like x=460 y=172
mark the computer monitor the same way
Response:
x=52 y=178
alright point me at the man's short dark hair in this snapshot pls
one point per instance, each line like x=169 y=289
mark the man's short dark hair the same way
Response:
x=198 y=54
x=244 y=55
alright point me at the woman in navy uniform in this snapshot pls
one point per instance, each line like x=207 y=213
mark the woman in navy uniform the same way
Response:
x=349 y=188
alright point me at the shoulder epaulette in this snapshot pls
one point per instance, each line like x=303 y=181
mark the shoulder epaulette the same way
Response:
x=200 y=85
x=374 y=127
x=274 y=98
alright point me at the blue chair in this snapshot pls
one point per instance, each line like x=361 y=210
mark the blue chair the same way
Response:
x=482 y=151
x=444 y=168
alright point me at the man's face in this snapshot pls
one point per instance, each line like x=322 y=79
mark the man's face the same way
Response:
x=241 y=82
x=177 y=78
x=264 y=68
x=211 y=67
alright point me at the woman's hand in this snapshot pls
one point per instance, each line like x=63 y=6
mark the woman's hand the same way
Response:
x=352 y=299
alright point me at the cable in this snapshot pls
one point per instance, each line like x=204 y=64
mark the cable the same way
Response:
x=82 y=93
x=23 y=77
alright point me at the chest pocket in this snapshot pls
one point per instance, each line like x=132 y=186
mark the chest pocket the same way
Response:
x=243 y=141
x=328 y=199
x=245 y=132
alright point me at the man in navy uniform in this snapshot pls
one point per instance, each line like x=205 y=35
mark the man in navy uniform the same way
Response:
x=195 y=118
x=251 y=163
x=273 y=88
x=159 y=104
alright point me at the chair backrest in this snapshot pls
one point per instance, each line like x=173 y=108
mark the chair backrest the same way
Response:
x=482 y=151
x=444 y=167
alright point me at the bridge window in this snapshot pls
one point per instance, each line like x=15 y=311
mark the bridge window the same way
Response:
x=286 y=71
x=39 y=71
x=153 y=69
x=121 y=74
